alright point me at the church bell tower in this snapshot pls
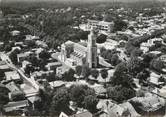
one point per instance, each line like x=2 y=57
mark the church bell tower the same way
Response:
x=92 y=49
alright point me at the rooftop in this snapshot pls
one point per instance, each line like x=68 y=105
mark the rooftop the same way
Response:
x=11 y=106
x=12 y=75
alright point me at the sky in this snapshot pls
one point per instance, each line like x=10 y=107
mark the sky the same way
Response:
x=86 y=0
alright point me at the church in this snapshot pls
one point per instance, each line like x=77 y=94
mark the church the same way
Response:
x=74 y=54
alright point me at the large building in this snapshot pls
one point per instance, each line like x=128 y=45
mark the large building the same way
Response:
x=81 y=53
x=100 y=25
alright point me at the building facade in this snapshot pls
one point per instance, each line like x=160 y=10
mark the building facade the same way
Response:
x=100 y=25
x=92 y=50
x=75 y=54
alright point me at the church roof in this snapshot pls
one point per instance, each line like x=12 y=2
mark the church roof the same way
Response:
x=83 y=44
x=69 y=43
x=81 y=47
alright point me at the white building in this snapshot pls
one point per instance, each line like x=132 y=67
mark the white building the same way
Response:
x=101 y=25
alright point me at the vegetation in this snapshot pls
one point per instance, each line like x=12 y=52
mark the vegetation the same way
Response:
x=95 y=73
x=110 y=56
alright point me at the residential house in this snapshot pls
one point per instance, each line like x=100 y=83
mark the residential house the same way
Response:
x=42 y=74
x=53 y=65
x=22 y=56
x=163 y=58
x=4 y=67
x=110 y=109
x=12 y=76
x=99 y=90
x=81 y=114
x=25 y=63
x=15 y=32
x=19 y=43
x=154 y=79
x=61 y=70
x=57 y=84
x=41 y=44
x=28 y=90
x=150 y=103
x=13 y=106
x=16 y=47
x=15 y=92
x=101 y=25
x=30 y=37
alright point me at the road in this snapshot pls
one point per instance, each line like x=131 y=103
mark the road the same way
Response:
x=27 y=80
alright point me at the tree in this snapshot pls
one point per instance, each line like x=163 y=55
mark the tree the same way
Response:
x=34 y=60
x=29 y=69
x=7 y=48
x=60 y=102
x=95 y=73
x=30 y=43
x=104 y=73
x=79 y=92
x=119 y=93
x=44 y=55
x=119 y=25
x=142 y=76
x=69 y=75
x=122 y=76
x=147 y=59
x=13 y=56
x=45 y=94
x=90 y=103
x=85 y=71
x=4 y=98
x=115 y=60
x=101 y=38
x=78 y=70
x=136 y=52
x=134 y=66
x=157 y=65
x=83 y=35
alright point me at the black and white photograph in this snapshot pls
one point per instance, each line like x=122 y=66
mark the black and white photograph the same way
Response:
x=83 y=58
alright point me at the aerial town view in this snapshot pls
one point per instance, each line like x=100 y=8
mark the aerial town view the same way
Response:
x=83 y=58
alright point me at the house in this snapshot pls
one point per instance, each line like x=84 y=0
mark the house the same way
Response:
x=81 y=114
x=53 y=65
x=42 y=74
x=57 y=84
x=15 y=32
x=28 y=90
x=150 y=103
x=110 y=75
x=16 y=47
x=18 y=105
x=12 y=75
x=163 y=58
x=154 y=78
x=25 y=63
x=41 y=44
x=3 y=89
x=22 y=56
x=61 y=70
x=30 y=37
x=101 y=25
x=4 y=67
x=110 y=109
x=15 y=91
x=162 y=91
x=1 y=44
x=19 y=43
x=99 y=89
